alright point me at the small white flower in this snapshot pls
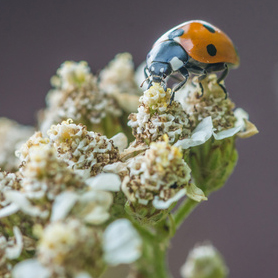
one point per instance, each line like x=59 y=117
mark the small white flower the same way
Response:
x=62 y=205
x=205 y=130
x=14 y=251
x=105 y=181
x=122 y=243
x=73 y=73
x=82 y=275
x=120 y=141
x=9 y=210
x=160 y=204
x=93 y=207
x=19 y=202
x=30 y=269
x=199 y=136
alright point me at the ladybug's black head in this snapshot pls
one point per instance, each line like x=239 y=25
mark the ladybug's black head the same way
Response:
x=159 y=71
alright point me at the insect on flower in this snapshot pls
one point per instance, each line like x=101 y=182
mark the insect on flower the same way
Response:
x=192 y=47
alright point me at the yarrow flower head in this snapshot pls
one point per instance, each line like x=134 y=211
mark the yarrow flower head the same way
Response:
x=65 y=247
x=118 y=76
x=76 y=95
x=82 y=150
x=44 y=173
x=216 y=114
x=160 y=176
x=71 y=75
x=226 y=121
x=213 y=103
x=157 y=117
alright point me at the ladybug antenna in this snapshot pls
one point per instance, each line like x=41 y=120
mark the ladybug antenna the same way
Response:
x=144 y=81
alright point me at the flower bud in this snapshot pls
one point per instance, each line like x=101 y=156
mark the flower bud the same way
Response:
x=76 y=95
x=204 y=261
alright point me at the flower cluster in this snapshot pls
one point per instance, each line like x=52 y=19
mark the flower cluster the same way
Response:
x=213 y=103
x=160 y=175
x=156 y=117
x=82 y=149
x=81 y=96
x=81 y=199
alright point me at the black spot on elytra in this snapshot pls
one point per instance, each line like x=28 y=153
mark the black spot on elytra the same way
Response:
x=175 y=33
x=209 y=28
x=211 y=49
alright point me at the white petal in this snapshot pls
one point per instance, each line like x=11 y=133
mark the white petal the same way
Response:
x=30 y=269
x=97 y=216
x=82 y=275
x=105 y=181
x=240 y=115
x=15 y=251
x=160 y=204
x=200 y=135
x=116 y=167
x=22 y=202
x=9 y=210
x=195 y=193
x=120 y=141
x=62 y=205
x=227 y=133
x=122 y=243
x=95 y=205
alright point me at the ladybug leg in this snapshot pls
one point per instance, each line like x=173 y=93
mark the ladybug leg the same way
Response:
x=147 y=77
x=225 y=70
x=221 y=78
x=185 y=74
x=145 y=72
x=200 y=79
x=164 y=85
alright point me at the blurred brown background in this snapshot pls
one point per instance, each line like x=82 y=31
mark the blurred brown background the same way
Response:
x=241 y=219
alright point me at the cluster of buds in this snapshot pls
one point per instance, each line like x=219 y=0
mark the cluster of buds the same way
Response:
x=80 y=201
x=93 y=101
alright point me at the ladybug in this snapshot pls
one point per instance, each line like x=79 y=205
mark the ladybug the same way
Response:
x=195 y=47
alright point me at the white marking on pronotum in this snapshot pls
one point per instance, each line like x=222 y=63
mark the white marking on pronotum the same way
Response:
x=176 y=63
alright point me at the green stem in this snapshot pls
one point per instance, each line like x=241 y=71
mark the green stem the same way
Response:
x=160 y=261
x=184 y=210
x=153 y=264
